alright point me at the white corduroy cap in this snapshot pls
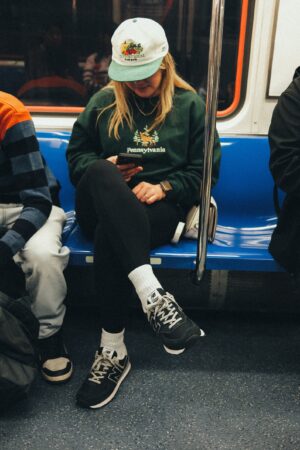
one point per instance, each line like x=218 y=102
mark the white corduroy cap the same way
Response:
x=138 y=48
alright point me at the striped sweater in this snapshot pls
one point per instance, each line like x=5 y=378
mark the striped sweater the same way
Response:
x=22 y=175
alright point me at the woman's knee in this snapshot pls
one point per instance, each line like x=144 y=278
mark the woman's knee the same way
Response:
x=101 y=170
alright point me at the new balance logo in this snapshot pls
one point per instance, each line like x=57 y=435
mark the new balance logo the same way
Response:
x=116 y=373
x=155 y=325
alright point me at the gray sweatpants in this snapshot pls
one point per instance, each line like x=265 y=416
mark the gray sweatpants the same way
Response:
x=43 y=260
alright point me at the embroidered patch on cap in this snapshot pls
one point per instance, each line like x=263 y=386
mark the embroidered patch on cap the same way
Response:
x=131 y=51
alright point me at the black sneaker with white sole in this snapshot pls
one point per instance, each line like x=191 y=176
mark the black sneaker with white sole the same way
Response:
x=55 y=363
x=168 y=320
x=105 y=378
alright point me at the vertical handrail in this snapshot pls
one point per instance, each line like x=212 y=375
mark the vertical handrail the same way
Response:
x=214 y=61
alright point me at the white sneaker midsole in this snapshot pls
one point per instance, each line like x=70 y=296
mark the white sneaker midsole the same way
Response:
x=108 y=399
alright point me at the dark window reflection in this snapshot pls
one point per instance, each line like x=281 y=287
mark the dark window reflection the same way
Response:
x=58 y=52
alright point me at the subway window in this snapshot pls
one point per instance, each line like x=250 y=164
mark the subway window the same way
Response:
x=57 y=53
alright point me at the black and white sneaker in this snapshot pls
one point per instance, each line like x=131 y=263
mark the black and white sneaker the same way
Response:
x=105 y=378
x=55 y=363
x=168 y=320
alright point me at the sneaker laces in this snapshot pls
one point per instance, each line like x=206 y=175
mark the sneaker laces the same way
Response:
x=104 y=360
x=163 y=308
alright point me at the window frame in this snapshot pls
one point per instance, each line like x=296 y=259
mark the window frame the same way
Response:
x=221 y=114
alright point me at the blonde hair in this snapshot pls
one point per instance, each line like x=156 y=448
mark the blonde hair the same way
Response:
x=121 y=110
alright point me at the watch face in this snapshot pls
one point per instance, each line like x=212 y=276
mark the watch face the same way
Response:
x=166 y=186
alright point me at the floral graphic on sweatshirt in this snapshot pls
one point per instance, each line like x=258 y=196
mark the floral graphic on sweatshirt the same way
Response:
x=145 y=137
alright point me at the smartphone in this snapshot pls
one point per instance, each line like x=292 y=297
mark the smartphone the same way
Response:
x=130 y=158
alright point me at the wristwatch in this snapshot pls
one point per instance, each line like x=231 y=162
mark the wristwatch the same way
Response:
x=166 y=186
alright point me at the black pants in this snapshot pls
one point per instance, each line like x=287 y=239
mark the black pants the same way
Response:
x=124 y=230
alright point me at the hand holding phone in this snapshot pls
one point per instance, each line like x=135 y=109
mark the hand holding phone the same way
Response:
x=129 y=158
x=129 y=164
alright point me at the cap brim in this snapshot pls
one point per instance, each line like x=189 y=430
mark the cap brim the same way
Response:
x=118 y=72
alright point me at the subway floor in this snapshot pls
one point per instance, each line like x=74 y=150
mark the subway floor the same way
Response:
x=237 y=388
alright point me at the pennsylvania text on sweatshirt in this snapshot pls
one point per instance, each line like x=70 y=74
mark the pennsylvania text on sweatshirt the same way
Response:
x=173 y=151
x=22 y=175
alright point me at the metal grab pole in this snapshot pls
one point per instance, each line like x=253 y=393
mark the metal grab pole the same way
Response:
x=214 y=61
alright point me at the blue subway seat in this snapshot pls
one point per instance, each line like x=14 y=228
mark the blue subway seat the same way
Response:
x=246 y=216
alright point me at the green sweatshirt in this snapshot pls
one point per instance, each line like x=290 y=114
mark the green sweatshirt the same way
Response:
x=173 y=151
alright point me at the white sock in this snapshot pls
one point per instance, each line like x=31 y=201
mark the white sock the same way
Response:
x=145 y=282
x=114 y=341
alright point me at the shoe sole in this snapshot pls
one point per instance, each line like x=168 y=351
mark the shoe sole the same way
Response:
x=114 y=392
x=192 y=339
x=58 y=380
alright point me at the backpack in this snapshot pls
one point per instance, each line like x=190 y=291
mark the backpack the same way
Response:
x=18 y=349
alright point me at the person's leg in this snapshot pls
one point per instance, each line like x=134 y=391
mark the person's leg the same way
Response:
x=123 y=229
x=111 y=279
x=108 y=212
x=111 y=283
x=111 y=364
x=103 y=197
x=96 y=195
x=131 y=229
x=163 y=218
x=121 y=226
x=43 y=260
x=166 y=317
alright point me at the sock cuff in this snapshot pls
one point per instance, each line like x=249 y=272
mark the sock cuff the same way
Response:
x=112 y=340
x=139 y=274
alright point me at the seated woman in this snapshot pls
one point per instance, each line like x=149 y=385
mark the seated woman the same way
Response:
x=147 y=109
